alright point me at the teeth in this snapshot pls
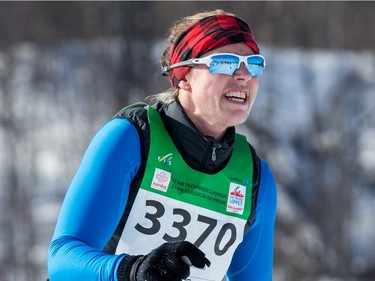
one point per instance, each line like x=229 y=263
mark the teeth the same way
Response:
x=236 y=95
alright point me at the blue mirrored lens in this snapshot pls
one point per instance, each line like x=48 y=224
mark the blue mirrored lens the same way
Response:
x=255 y=65
x=223 y=64
x=227 y=64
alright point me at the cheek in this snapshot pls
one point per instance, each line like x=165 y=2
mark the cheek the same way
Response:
x=254 y=89
x=210 y=84
x=206 y=87
x=202 y=78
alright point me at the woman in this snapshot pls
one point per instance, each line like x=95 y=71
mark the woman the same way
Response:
x=169 y=191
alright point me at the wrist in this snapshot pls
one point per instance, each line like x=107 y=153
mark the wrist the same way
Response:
x=134 y=269
x=128 y=268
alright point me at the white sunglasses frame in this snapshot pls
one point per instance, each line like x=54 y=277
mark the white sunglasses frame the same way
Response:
x=207 y=60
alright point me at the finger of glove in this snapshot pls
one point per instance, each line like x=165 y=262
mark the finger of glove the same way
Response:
x=164 y=267
x=179 y=268
x=195 y=255
x=167 y=254
x=165 y=270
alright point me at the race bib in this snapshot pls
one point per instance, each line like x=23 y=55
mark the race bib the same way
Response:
x=156 y=219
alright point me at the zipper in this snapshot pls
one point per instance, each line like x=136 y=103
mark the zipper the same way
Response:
x=214 y=147
x=213 y=155
x=210 y=153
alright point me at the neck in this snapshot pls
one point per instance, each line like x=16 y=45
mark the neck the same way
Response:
x=203 y=126
x=207 y=129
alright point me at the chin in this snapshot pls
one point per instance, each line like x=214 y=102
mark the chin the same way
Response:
x=240 y=117
x=237 y=121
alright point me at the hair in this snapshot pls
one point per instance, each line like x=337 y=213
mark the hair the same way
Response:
x=174 y=32
x=179 y=27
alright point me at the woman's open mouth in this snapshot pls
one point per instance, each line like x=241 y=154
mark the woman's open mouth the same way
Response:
x=237 y=96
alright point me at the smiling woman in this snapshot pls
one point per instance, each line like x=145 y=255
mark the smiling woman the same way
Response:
x=168 y=188
x=215 y=102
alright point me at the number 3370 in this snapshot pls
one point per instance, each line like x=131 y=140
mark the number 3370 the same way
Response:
x=226 y=229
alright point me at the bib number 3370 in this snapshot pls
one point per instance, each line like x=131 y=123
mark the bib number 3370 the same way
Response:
x=180 y=222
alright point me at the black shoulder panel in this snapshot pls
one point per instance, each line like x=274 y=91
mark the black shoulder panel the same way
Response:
x=255 y=189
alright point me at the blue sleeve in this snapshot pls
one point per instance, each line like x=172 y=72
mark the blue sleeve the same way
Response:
x=93 y=206
x=253 y=259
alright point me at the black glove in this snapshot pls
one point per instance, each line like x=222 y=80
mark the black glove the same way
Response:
x=165 y=263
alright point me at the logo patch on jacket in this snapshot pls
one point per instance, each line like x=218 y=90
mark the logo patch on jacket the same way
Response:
x=236 y=198
x=161 y=180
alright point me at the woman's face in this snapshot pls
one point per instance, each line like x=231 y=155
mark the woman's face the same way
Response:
x=215 y=102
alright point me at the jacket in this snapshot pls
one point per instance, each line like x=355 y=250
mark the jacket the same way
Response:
x=105 y=184
x=202 y=153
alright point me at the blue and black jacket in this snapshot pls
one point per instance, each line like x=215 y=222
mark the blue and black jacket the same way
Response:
x=101 y=194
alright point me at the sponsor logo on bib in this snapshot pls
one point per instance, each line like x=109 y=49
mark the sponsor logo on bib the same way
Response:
x=166 y=159
x=236 y=198
x=161 y=180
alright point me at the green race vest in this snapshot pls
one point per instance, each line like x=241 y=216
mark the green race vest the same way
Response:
x=176 y=202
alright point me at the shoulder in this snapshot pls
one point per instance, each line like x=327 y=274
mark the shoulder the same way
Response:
x=112 y=139
x=135 y=113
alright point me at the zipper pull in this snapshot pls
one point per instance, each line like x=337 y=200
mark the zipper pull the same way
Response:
x=213 y=153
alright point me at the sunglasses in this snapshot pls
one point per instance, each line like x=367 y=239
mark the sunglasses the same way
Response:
x=225 y=63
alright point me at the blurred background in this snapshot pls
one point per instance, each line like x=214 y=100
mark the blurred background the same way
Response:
x=67 y=67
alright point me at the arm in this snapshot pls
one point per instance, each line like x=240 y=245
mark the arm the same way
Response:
x=253 y=259
x=94 y=205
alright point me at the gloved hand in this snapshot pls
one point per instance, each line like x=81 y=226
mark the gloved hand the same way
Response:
x=165 y=263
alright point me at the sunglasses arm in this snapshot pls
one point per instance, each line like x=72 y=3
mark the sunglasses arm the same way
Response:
x=166 y=69
x=190 y=62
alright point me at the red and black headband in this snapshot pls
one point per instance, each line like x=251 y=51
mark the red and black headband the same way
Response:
x=205 y=35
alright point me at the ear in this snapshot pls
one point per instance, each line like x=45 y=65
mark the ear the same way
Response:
x=183 y=84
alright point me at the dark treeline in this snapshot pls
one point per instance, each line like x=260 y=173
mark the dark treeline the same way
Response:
x=321 y=24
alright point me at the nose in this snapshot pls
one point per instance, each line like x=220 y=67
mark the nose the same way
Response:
x=242 y=73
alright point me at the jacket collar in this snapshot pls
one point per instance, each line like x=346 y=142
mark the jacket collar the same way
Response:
x=202 y=153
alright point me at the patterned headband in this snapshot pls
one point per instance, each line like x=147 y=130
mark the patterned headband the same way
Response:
x=205 y=35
